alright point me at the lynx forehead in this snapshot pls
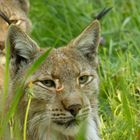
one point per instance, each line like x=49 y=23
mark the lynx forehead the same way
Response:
x=67 y=62
x=65 y=86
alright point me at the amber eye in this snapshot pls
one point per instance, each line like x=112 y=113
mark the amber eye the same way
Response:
x=83 y=79
x=48 y=83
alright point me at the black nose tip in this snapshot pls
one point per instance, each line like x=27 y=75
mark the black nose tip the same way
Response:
x=74 y=109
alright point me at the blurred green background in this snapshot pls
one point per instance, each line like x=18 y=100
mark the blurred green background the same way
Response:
x=56 y=22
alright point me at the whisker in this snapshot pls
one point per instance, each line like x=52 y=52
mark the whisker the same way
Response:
x=85 y=109
x=82 y=117
x=62 y=118
x=85 y=114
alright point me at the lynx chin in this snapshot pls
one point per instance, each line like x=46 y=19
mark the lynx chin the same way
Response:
x=65 y=86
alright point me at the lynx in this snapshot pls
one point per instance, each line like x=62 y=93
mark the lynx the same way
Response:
x=16 y=11
x=65 y=86
x=11 y=11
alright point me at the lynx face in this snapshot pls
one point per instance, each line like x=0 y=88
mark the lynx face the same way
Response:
x=65 y=86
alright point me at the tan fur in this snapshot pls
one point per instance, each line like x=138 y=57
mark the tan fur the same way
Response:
x=58 y=108
x=16 y=11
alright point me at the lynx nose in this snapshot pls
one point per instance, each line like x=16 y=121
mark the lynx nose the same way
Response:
x=74 y=109
x=73 y=104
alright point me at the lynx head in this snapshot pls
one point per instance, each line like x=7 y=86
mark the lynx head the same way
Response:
x=65 y=86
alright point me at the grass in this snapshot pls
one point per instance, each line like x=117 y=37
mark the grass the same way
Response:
x=56 y=22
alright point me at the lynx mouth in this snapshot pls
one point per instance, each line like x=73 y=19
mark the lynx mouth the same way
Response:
x=70 y=123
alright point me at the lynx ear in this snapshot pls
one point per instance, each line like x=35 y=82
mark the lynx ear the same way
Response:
x=87 y=42
x=22 y=48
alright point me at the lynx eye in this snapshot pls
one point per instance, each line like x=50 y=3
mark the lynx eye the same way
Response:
x=84 y=79
x=48 y=83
